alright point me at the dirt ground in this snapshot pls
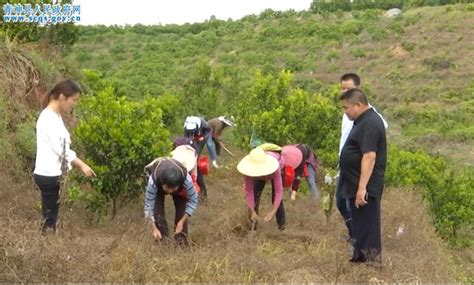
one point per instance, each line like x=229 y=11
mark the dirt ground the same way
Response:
x=310 y=249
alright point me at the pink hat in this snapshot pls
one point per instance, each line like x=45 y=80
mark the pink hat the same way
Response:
x=292 y=155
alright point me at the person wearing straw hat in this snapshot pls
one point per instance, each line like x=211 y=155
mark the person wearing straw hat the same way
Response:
x=213 y=142
x=299 y=156
x=258 y=167
x=186 y=154
x=168 y=176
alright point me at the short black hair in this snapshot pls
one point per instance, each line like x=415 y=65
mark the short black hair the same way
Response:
x=351 y=76
x=172 y=177
x=355 y=95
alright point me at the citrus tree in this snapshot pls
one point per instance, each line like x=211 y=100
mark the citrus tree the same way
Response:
x=119 y=137
x=275 y=111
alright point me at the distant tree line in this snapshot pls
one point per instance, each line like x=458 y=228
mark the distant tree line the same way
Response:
x=321 y=6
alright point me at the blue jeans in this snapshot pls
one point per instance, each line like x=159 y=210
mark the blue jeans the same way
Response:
x=311 y=179
x=211 y=147
x=342 y=204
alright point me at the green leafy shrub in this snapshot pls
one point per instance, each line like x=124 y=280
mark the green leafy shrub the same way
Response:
x=82 y=56
x=118 y=138
x=448 y=191
x=408 y=46
x=439 y=62
x=25 y=140
x=332 y=56
x=406 y=168
x=352 y=27
x=358 y=53
x=274 y=111
x=377 y=33
x=396 y=27
x=171 y=105
x=394 y=76
x=411 y=20
x=93 y=80
x=324 y=6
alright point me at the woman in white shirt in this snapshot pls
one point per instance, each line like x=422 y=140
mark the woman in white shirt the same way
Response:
x=53 y=148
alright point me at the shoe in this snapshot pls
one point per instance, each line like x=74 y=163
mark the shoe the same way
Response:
x=214 y=163
x=358 y=260
x=48 y=230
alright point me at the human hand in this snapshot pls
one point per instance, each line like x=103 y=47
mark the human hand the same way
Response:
x=87 y=171
x=269 y=216
x=253 y=216
x=156 y=233
x=361 y=197
x=179 y=227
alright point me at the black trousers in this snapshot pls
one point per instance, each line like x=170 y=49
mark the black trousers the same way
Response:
x=366 y=230
x=49 y=187
x=201 y=183
x=160 y=217
x=258 y=186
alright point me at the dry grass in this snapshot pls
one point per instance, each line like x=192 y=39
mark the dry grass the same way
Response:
x=310 y=249
x=18 y=67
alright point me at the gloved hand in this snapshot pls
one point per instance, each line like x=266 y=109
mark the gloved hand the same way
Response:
x=214 y=163
x=149 y=217
x=328 y=180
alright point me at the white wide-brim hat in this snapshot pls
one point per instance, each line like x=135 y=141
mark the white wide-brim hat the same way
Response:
x=227 y=121
x=257 y=163
x=186 y=155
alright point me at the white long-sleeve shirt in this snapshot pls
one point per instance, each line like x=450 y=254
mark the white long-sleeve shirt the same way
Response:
x=51 y=138
x=347 y=125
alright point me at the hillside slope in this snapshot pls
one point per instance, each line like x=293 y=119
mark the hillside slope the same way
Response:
x=417 y=69
x=311 y=248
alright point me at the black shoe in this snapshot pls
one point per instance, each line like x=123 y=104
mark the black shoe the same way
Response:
x=48 y=230
x=358 y=260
